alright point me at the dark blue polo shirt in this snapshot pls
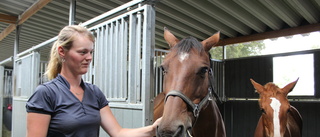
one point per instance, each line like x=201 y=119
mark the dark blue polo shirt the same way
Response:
x=69 y=116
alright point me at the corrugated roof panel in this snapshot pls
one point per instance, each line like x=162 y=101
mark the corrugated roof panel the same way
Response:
x=188 y=21
x=306 y=10
x=262 y=13
x=210 y=10
x=283 y=11
x=241 y=14
x=188 y=14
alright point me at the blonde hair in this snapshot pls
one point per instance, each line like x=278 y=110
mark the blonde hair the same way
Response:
x=65 y=39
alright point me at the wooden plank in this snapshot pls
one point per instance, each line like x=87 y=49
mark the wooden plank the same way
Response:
x=8 y=18
x=271 y=34
x=24 y=16
x=7 y=31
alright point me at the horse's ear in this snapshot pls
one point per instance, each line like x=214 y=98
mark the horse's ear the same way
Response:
x=211 y=41
x=170 y=38
x=257 y=86
x=288 y=88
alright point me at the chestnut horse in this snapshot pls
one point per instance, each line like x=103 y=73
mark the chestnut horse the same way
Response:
x=186 y=104
x=279 y=118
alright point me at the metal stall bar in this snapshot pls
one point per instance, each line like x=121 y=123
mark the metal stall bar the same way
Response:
x=123 y=58
x=1 y=96
x=156 y=73
x=138 y=57
x=6 y=60
x=109 y=58
x=158 y=59
x=116 y=59
x=132 y=59
x=113 y=61
x=147 y=63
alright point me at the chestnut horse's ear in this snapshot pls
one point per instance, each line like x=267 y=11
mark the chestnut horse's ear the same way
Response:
x=288 y=88
x=257 y=86
x=211 y=41
x=170 y=38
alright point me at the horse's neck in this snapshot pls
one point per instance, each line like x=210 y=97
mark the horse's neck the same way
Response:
x=203 y=128
x=259 y=132
x=294 y=123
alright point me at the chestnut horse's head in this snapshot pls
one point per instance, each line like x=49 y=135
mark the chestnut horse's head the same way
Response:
x=274 y=106
x=186 y=81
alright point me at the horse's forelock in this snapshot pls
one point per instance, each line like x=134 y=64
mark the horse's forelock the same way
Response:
x=273 y=88
x=186 y=44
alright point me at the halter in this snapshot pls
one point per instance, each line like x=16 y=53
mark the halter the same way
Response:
x=195 y=107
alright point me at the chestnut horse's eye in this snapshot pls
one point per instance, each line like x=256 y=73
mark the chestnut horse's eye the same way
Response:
x=263 y=111
x=203 y=71
x=288 y=111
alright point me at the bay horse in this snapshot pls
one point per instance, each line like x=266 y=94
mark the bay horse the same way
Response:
x=186 y=104
x=279 y=118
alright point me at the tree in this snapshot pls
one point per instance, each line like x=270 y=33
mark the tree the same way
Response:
x=238 y=50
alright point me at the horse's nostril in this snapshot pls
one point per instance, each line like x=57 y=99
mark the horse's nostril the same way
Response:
x=178 y=132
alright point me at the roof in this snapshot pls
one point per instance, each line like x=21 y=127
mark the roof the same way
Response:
x=238 y=21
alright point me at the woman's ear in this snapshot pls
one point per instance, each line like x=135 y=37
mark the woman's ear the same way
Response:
x=61 y=51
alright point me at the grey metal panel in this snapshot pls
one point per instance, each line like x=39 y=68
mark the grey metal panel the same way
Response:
x=127 y=118
x=125 y=57
x=19 y=116
x=27 y=74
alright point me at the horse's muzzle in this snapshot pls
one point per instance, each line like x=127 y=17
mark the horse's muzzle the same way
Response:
x=180 y=132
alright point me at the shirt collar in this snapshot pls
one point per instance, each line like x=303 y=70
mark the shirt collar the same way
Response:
x=65 y=82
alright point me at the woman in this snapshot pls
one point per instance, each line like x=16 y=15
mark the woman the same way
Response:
x=67 y=106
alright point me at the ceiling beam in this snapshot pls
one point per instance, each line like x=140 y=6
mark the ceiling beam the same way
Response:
x=271 y=34
x=8 y=18
x=24 y=16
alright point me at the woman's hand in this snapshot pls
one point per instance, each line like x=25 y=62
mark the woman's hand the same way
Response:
x=155 y=125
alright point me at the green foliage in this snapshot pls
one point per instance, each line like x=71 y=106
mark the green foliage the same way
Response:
x=238 y=50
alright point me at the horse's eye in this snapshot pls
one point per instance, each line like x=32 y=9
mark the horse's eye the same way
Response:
x=288 y=111
x=203 y=71
x=263 y=111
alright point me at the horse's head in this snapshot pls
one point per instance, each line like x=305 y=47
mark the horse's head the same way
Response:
x=186 y=81
x=274 y=106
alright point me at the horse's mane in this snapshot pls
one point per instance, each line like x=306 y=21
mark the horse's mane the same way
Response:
x=186 y=44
